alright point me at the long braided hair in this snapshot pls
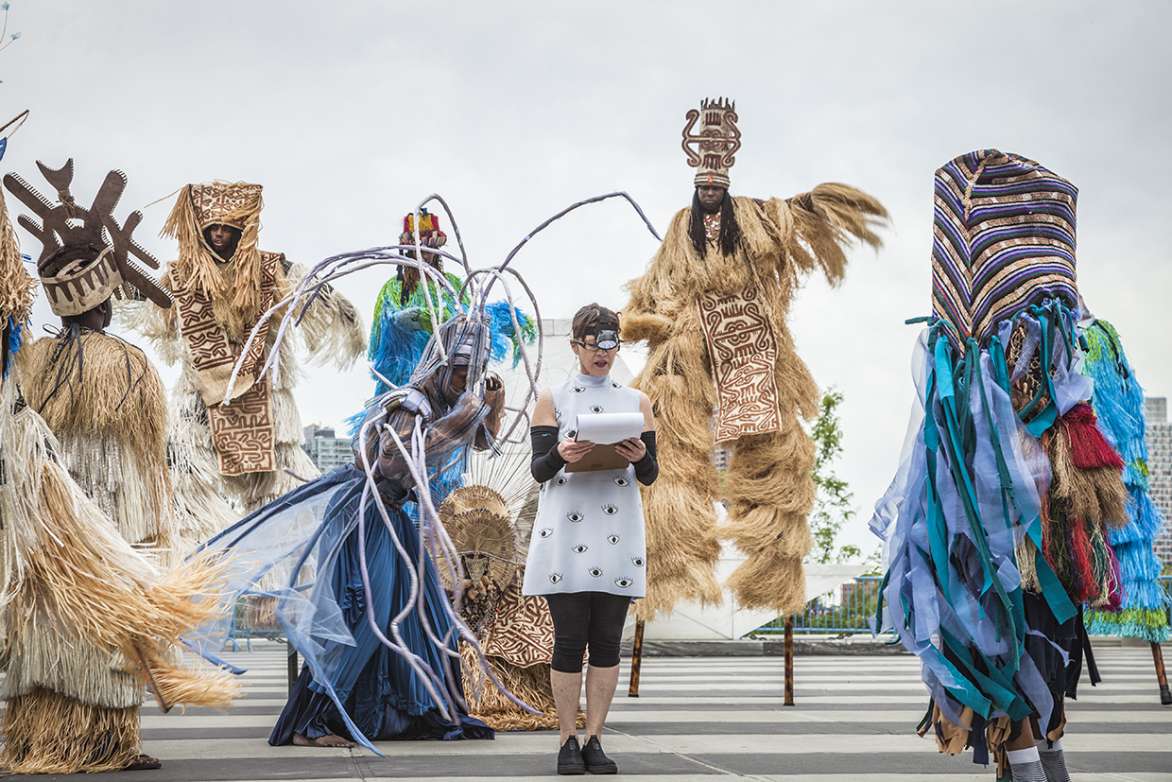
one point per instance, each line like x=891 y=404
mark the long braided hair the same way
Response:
x=730 y=232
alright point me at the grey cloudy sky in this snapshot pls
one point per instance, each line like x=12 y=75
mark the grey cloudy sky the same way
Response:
x=350 y=112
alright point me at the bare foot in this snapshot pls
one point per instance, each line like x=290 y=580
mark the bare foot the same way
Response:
x=328 y=740
x=144 y=763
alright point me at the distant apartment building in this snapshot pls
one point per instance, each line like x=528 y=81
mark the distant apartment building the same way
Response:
x=325 y=448
x=1159 y=440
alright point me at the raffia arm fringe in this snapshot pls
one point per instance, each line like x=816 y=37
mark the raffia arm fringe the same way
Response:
x=17 y=287
x=640 y=326
x=177 y=685
x=770 y=581
x=47 y=733
x=331 y=326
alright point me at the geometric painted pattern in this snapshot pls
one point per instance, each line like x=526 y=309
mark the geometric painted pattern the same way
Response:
x=1003 y=239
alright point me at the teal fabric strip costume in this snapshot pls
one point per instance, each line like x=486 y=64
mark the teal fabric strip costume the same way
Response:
x=976 y=505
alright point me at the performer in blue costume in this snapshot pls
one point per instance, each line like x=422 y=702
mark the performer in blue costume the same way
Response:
x=363 y=603
x=358 y=594
x=401 y=328
x=1118 y=402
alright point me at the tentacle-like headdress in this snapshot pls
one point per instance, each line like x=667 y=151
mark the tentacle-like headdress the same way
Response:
x=456 y=332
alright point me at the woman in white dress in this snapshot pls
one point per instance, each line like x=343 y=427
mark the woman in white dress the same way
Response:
x=587 y=554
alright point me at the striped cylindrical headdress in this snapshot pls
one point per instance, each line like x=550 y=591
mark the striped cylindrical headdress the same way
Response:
x=1004 y=238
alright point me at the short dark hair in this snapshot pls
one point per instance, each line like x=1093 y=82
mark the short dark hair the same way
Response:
x=592 y=319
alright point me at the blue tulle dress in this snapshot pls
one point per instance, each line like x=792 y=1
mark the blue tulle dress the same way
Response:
x=352 y=684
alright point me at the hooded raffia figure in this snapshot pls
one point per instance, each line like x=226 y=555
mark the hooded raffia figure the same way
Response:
x=222 y=282
x=88 y=620
x=712 y=308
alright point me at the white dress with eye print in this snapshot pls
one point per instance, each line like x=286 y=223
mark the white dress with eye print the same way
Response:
x=588 y=535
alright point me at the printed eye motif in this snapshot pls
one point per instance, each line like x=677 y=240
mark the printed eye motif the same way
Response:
x=581 y=548
x=596 y=572
x=579 y=389
x=545 y=532
x=574 y=516
x=615 y=385
x=637 y=561
x=613 y=540
x=623 y=583
x=554 y=578
x=609 y=510
x=622 y=481
x=596 y=408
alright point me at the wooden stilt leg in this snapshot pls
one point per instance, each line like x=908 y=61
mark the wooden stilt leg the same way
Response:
x=292 y=671
x=789 y=661
x=636 y=660
x=1161 y=674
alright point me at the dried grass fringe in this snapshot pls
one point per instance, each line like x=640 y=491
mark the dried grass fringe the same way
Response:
x=47 y=733
x=1098 y=493
x=17 y=287
x=332 y=327
x=66 y=564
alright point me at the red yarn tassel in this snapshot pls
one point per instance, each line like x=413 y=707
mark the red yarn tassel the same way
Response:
x=1085 y=587
x=1088 y=447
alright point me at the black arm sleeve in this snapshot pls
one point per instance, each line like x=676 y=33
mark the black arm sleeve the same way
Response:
x=647 y=468
x=547 y=462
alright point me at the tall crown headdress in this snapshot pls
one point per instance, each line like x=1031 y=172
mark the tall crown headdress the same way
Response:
x=85 y=282
x=712 y=150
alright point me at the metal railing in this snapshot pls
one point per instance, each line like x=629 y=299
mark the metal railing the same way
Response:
x=850 y=609
x=846 y=611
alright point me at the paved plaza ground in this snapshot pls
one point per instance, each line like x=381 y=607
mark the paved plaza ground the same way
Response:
x=698 y=718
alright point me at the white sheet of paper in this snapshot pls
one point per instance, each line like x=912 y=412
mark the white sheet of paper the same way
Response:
x=608 y=428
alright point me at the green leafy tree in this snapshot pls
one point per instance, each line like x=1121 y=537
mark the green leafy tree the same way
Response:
x=833 y=508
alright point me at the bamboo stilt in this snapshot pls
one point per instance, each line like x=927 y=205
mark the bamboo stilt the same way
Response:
x=636 y=660
x=789 y=661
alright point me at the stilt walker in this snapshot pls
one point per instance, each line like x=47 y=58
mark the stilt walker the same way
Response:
x=996 y=524
x=1118 y=404
x=248 y=451
x=725 y=277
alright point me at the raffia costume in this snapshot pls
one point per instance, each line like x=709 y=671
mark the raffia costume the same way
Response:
x=996 y=526
x=515 y=631
x=87 y=619
x=249 y=450
x=716 y=330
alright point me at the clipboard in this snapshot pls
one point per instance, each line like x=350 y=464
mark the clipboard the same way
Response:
x=601 y=457
x=615 y=427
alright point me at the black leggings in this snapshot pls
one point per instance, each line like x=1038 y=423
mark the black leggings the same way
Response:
x=582 y=619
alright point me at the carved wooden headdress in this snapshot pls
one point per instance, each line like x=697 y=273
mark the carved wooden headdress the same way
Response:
x=712 y=150
x=89 y=278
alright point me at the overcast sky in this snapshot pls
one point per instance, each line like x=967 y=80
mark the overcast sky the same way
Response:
x=350 y=112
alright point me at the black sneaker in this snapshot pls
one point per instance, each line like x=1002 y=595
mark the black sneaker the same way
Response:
x=570 y=758
x=596 y=760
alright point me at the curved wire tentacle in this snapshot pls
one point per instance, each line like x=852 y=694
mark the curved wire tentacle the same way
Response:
x=434 y=539
x=585 y=202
